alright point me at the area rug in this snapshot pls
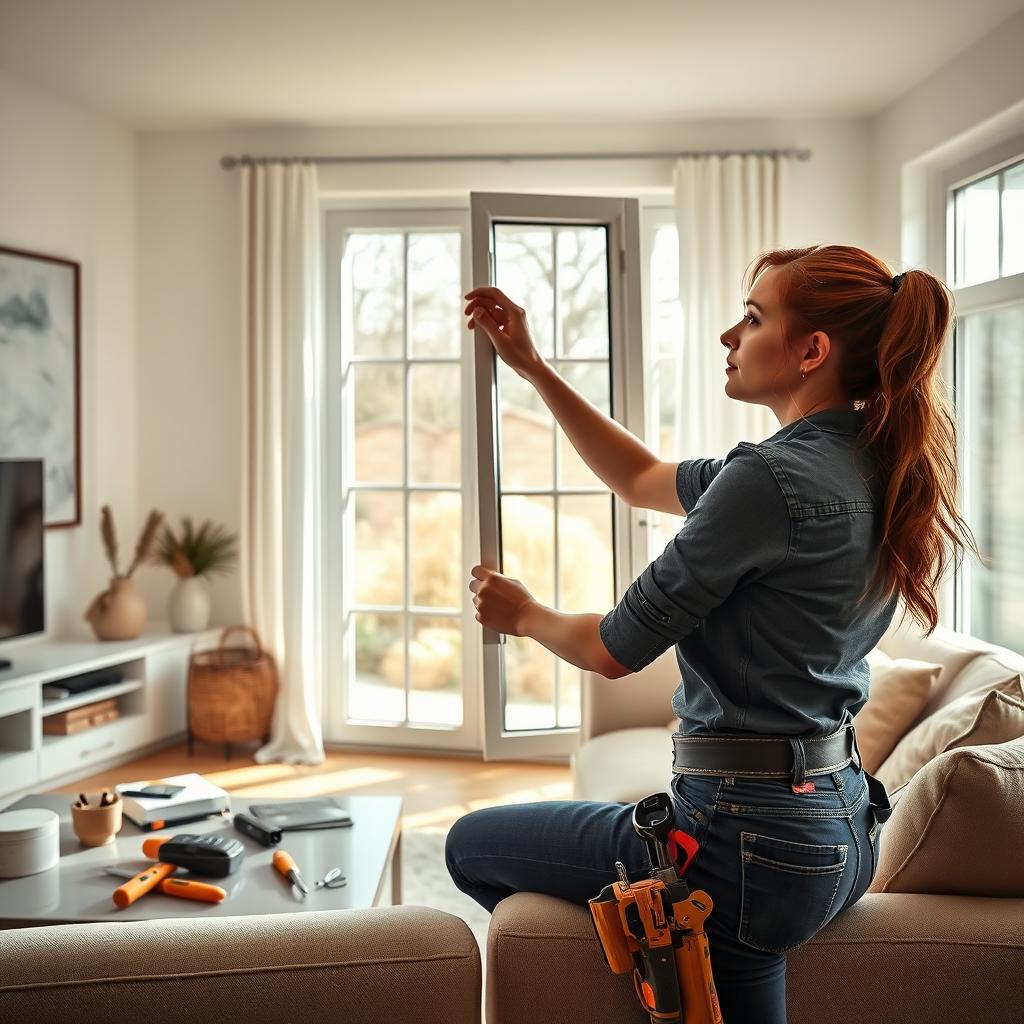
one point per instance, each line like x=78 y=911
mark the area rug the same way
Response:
x=426 y=882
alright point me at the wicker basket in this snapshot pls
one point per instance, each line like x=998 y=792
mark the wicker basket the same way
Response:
x=231 y=691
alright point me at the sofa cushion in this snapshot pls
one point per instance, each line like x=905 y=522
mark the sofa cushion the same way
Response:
x=623 y=766
x=983 y=716
x=958 y=828
x=899 y=688
x=984 y=672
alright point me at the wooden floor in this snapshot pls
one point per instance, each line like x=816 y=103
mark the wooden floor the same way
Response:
x=435 y=790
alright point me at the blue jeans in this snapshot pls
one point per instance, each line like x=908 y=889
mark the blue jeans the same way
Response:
x=778 y=865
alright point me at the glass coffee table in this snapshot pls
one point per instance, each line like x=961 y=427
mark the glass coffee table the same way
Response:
x=369 y=853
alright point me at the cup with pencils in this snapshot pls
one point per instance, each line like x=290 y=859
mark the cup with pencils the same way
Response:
x=96 y=817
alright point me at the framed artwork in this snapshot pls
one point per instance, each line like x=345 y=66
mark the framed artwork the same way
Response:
x=40 y=375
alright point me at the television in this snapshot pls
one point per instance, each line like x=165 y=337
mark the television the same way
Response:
x=22 y=605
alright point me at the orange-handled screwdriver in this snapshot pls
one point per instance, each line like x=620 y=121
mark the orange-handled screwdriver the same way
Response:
x=286 y=865
x=125 y=895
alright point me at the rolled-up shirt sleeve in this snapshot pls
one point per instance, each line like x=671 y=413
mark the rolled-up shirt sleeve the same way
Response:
x=693 y=477
x=737 y=531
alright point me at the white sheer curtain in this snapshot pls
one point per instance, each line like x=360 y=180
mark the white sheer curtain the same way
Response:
x=727 y=212
x=281 y=465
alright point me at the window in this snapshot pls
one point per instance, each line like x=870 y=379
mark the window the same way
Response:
x=986 y=267
x=402 y=473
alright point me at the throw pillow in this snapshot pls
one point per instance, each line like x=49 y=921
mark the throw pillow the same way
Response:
x=898 y=690
x=958 y=828
x=983 y=716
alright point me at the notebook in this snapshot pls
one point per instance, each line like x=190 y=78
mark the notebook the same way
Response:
x=200 y=796
x=318 y=812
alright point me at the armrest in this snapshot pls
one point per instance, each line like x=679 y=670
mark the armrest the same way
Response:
x=405 y=963
x=901 y=957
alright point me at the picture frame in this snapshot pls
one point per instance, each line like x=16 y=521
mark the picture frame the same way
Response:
x=40 y=374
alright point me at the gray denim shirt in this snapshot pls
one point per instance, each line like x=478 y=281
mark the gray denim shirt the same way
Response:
x=758 y=589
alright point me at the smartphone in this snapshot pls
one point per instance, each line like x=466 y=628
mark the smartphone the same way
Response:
x=158 y=792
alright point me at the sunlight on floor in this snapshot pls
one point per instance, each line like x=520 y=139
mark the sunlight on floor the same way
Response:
x=315 y=784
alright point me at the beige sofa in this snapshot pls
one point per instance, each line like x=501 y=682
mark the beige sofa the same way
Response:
x=907 y=956
x=405 y=963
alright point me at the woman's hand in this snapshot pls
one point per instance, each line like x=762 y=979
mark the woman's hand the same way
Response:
x=500 y=601
x=505 y=324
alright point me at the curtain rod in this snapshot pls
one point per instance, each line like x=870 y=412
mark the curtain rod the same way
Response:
x=230 y=162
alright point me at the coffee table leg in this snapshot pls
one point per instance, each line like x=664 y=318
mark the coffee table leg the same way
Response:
x=396 y=873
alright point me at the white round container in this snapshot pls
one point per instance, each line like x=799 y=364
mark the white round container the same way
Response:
x=29 y=842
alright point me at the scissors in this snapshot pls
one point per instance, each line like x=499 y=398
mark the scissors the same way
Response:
x=334 y=879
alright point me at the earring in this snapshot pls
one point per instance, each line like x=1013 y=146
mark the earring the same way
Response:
x=802 y=374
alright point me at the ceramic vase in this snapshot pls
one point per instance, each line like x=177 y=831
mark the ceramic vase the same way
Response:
x=188 y=608
x=119 y=613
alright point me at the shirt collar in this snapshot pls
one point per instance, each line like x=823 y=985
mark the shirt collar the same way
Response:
x=837 y=420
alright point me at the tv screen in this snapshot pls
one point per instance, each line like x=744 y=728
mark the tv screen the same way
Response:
x=21 y=547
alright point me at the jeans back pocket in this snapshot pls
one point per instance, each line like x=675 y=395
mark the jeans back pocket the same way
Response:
x=787 y=890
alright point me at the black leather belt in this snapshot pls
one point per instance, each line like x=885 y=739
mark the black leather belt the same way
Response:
x=763 y=755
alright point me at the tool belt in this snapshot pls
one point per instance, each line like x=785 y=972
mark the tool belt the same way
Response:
x=765 y=756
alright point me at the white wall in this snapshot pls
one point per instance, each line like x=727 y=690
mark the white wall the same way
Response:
x=971 y=103
x=189 y=256
x=67 y=188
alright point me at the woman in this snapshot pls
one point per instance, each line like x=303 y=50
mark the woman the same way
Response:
x=789 y=566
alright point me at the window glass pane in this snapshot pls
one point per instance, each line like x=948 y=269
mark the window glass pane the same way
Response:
x=585 y=568
x=435 y=670
x=436 y=438
x=977 y=232
x=582 y=292
x=435 y=295
x=992 y=345
x=591 y=381
x=378 y=416
x=530 y=684
x=377 y=689
x=666 y=380
x=524 y=271
x=1013 y=220
x=376 y=288
x=435 y=549
x=526 y=456
x=378 y=550
x=570 y=684
x=528 y=543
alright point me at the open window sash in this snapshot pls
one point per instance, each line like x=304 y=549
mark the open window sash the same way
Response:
x=573 y=262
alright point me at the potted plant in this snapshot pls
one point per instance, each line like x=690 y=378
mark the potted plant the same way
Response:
x=119 y=613
x=194 y=555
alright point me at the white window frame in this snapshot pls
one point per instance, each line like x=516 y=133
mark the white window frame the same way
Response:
x=338 y=218
x=391 y=212
x=953 y=600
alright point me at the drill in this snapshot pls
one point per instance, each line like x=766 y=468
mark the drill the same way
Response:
x=655 y=926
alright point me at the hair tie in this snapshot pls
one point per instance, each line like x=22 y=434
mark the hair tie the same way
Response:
x=896 y=283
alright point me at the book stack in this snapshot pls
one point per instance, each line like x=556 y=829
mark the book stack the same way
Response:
x=199 y=799
x=67 y=723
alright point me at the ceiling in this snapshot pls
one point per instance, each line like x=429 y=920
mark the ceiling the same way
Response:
x=246 y=63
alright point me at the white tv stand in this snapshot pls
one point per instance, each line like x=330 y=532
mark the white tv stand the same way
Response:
x=151 y=702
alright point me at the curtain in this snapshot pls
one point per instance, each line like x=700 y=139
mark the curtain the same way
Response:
x=727 y=212
x=281 y=465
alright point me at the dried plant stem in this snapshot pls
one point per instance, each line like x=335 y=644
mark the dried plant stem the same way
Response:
x=109 y=537
x=146 y=540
